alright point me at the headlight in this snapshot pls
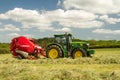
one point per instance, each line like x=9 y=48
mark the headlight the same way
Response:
x=87 y=44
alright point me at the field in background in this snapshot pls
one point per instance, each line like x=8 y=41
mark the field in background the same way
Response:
x=104 y=65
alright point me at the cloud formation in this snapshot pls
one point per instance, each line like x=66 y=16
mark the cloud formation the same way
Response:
x=13 y=35
x=109 y=20
x=94 y=6
x=72 y=15
x=106 y=31
x=44 y=19
x=9 y=27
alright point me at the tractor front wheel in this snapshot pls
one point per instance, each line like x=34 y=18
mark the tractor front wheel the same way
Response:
x=78 y=53
x=53 y=52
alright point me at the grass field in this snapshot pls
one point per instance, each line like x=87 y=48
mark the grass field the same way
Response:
x=104 y=65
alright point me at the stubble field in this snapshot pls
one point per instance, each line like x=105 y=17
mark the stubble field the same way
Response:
x=104 y=65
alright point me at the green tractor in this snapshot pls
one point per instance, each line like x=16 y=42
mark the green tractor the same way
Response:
x=64 y=47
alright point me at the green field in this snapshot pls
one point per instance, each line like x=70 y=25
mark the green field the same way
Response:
x=104 y=65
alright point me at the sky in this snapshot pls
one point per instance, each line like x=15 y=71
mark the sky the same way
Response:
x=85 y=19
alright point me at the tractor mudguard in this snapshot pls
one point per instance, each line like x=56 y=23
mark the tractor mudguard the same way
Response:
x=90 y=51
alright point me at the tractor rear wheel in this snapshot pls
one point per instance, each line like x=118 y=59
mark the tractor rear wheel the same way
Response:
x=53 y=52
x=78 y=53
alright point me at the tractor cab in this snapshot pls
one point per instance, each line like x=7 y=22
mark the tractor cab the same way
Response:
x=62 y=38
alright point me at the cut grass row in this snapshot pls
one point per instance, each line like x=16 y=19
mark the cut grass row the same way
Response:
x=104 y=65
x=59 y=72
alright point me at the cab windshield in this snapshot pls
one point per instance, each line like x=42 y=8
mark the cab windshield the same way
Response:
x=62 y=39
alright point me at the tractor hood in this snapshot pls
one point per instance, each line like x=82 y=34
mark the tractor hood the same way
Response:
x=79 y=43
x=85 y=44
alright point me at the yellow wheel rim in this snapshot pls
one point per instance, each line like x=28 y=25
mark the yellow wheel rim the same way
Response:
x=53 y=53
x=78 y=54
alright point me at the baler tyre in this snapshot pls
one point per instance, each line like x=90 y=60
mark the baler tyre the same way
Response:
x=78 y=53
x=20 y=56
x=53 y=52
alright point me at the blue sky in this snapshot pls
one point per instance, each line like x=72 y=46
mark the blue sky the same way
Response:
x=85 y=19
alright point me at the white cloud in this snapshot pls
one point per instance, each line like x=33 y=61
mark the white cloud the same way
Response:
x=60 y=15
x=63 y=30
x=9 y=27
x=74 y=18
x=83 y=24
x=106 y=31
x=43 y=20
x=28 y=18
x=109 y=20
x=94 y=6
x=3 y=16
x=59 y=3
x=19 y=14
x=13 y=35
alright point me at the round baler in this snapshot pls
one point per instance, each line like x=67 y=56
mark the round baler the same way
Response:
x=23 y=47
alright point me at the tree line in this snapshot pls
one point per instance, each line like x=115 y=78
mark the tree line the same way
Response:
x=94 y=44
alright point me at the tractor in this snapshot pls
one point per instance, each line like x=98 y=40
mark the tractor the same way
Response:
x=63 y=46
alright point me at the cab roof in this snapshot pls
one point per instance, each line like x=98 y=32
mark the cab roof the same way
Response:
x=60 y=35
